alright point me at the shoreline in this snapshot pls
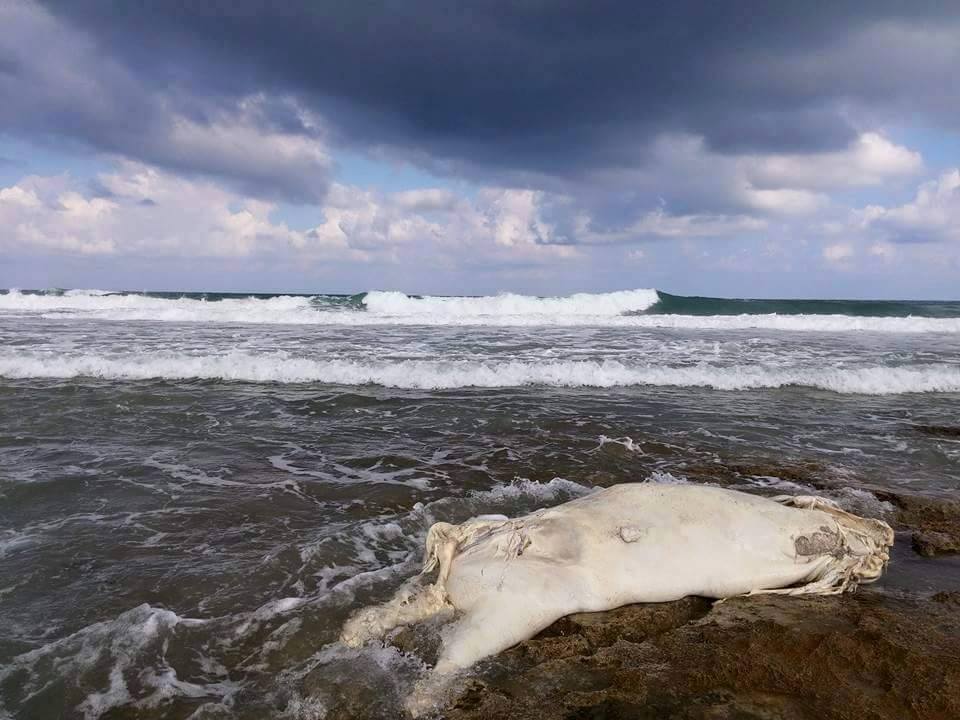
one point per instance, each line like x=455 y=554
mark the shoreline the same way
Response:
x=863 y=655
x=889 y=651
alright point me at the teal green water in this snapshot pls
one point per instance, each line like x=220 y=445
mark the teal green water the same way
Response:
x=668 y=304
x=692 y=305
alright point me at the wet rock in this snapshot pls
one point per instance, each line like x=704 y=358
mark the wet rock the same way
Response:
x=933 y=521
x=632 y=623
x=850 y=656
x=947 y=598
x=921 y=510
x=873 y=654
x=931 y=543
x=730 y=472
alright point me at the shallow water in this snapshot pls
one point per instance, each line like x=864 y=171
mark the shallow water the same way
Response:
x=193 y=498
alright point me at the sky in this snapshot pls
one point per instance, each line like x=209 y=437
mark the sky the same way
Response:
x=745 y=149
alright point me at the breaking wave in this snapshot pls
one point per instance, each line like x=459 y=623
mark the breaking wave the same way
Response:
x=372 y=308
x=100 y=305
x=643 y=308
x=143 y=660
x=613 y=304
x=450 y=374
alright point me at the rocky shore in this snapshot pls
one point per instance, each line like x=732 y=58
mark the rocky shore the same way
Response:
x=891 y=650
x=853 y=656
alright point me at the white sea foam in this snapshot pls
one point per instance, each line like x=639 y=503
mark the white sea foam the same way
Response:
x=283 y=309
x=268 y=611
x=381 y=308
x=301 y=708
x=11 y=541
x=658 y=477
x=526 y=488
x=449 y=374
x=121 y=642
x=91 y=291
x=613 y=304
x=862 y=502
x=796 y=323
x=614 y=309
x=626 y=442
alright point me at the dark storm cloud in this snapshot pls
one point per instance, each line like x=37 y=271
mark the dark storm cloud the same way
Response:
x=63 y=86
x=555 y=88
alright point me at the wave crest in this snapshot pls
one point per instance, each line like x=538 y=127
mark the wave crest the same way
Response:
x=642 y=309
x=99 y=305
x=612 y=304
x=451 y=374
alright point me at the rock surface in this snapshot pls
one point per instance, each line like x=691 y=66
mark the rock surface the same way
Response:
x=890 y=651
x=866 y=655
x=934 y=522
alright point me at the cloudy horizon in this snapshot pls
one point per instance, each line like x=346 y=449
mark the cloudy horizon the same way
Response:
x=541 y=148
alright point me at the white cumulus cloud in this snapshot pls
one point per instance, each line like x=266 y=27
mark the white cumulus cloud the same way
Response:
x=59 y=76
x=933 y=215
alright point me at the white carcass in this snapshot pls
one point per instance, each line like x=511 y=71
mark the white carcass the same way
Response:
x=504 y=580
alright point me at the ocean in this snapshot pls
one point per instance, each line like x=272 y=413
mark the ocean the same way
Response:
x=197 y=488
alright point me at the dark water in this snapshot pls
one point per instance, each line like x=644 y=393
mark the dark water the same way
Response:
x=686 y=305
x=193 y=499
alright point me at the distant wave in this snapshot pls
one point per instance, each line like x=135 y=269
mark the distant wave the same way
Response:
x=644 y=308
x=422 y=374
x=372 y=308
x=613 y=304
x=282 y=309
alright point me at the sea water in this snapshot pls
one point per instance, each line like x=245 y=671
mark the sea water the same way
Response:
x=197 y=488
